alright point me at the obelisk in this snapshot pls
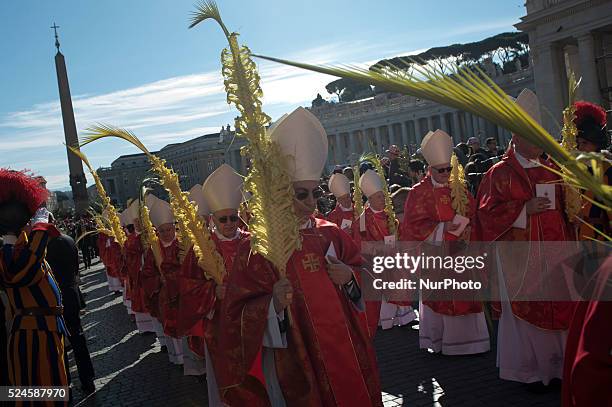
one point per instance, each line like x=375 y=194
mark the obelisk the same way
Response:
x=78 y=182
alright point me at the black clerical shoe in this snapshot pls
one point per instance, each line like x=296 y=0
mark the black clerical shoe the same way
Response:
x=164 y=349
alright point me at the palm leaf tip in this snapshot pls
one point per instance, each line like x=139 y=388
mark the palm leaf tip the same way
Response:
x=204 y=11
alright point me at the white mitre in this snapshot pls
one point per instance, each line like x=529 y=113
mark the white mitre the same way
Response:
x=339 y=185
x=437 y=148
x=160 y=211
x=529 y=102
x=370 y=183
x=133 y=211
x=197 y=196
x=223 y=189
x=302 y=138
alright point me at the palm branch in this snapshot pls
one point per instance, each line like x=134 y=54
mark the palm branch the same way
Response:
x=470 y=90
x=191 y=229
x=273 y=224
x=115 y=224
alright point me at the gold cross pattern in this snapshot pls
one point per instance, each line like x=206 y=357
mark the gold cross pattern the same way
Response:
x=444 y=199
x=311 y=263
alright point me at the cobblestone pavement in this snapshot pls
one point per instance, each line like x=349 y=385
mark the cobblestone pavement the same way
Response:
x=131 y=370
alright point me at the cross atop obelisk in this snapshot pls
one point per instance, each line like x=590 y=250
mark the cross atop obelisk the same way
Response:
x=55 y=27
x=78 y=182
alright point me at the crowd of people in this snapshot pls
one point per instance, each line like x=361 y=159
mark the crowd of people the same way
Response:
x=305 y=336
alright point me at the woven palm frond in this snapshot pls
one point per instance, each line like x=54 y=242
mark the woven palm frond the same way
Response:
x=148 y=236
x=113 y=217
x=190 y=227
x=471 y=90
x=573 y=201
x=459 y=193
x=273 y=225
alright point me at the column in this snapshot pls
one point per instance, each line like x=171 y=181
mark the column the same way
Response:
x=430 y=124
x=456 y=127
x=590 y=82
x=352 y=146
x=339 y=148
x=331 y=149
x=547 y=69
x=379 y=147
x=418 y=132
x=404 y=134
x=483 y=129
x=393 y=134
x=443 y=125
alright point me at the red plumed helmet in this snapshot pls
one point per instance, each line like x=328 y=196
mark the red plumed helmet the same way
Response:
x=18 y=186
x=587 y=110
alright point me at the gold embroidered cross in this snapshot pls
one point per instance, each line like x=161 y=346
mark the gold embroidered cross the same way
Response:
x=310 y=263
x=444 y=199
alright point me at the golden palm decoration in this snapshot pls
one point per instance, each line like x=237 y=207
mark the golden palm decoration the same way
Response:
x=102 y=224
x=573 y=201
x=149 y=236
x=115 y=224
x=471 y=90
x=375 y=161
x=460 y=201
x=191 y=228
x=274 y=227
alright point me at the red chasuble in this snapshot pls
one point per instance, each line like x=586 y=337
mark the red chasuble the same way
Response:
x=114 y=259
x=133 y=260
x=337 y=215
x=587 y=368
x=376 y=228
x=169 y=291
x=150 y=281
x=197 y=293
x=424 y=209
x=101 y=242
x=503 y=192
x=329 y=360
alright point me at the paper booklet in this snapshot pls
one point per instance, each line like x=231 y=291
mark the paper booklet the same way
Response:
x=462 y=221
x=546 y=191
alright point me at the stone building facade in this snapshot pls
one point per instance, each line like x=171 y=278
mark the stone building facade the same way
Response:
x=564 y=35
x=193 y=160
x=375 y=123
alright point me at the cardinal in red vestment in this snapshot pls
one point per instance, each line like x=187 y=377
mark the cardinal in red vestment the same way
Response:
x=308 y=325
x=168 y=270
x=451 y=327
x=532 y=334
x=344 y=213
x=373 y=226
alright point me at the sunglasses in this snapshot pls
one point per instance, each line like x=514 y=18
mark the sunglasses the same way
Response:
x=231 y=218
x=443 y=170
x=302 y=194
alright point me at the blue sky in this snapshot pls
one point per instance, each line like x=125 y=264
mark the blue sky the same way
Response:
x=136 y=65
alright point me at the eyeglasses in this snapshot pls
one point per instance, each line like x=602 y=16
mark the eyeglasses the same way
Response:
x=443 y=170
x=231 y=218
x=302 y=194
